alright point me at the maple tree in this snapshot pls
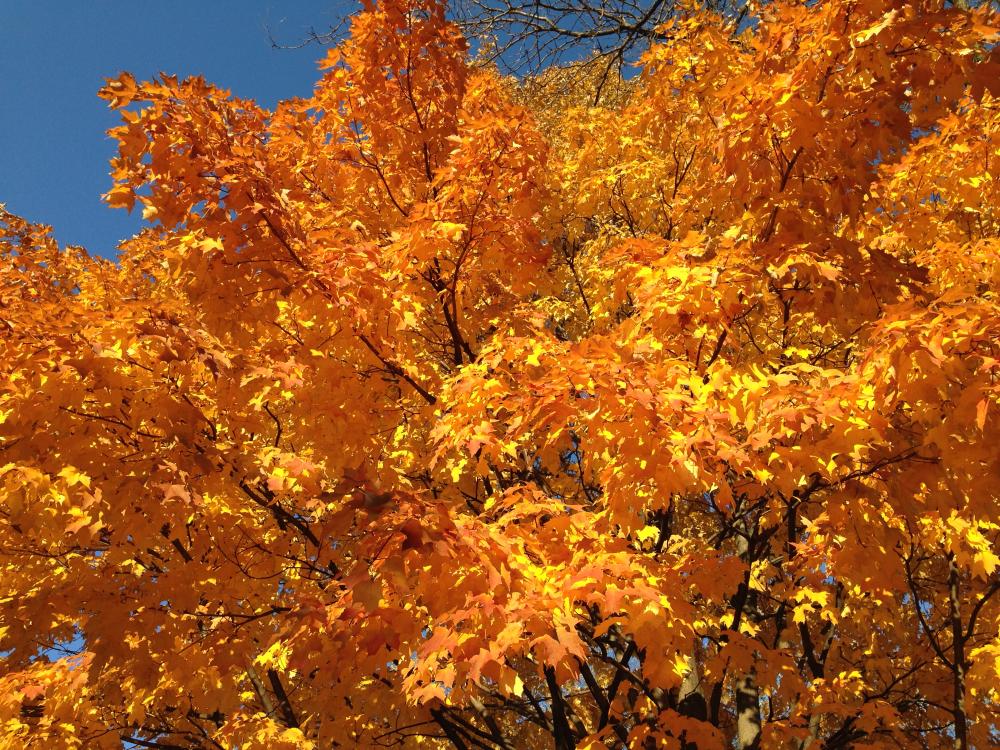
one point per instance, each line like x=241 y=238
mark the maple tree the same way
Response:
x=441 y=409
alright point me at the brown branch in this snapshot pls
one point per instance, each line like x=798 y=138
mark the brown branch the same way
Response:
x=258 y=688
x=397 y=370
x=287 y=711
x=564 y=738
x=281 y=516
x=987 y=595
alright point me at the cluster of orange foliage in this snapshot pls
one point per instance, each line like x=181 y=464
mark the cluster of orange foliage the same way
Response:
x=438 y=411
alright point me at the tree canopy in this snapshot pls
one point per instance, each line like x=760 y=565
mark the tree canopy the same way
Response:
x=445 y=410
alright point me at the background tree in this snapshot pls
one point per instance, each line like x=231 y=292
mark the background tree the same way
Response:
x=528 y=36
x=436 y=410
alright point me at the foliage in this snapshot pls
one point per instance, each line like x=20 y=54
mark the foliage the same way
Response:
x=439 y=411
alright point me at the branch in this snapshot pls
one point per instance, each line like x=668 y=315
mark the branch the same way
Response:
x=449 y=729
x=563 y=734
x=920 y=614
x=259 y=689
x=281 y=516
x=277 y=422
x=601 y=698
x=620 y=673
x=397 y=370
x=148 y=743
x=287 y=711
x=987 y=595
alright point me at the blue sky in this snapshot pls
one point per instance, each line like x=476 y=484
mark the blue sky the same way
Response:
x=55 y=55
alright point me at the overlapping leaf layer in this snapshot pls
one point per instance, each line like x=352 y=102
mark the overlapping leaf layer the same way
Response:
x=442 y=410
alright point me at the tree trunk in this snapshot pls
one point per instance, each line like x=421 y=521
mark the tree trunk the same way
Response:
x=747 y=693
x=747 y=712
x=691 y=697
x=958 y=663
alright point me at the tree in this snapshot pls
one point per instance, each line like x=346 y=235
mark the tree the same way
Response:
x=529 y=35
x=438 y=411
